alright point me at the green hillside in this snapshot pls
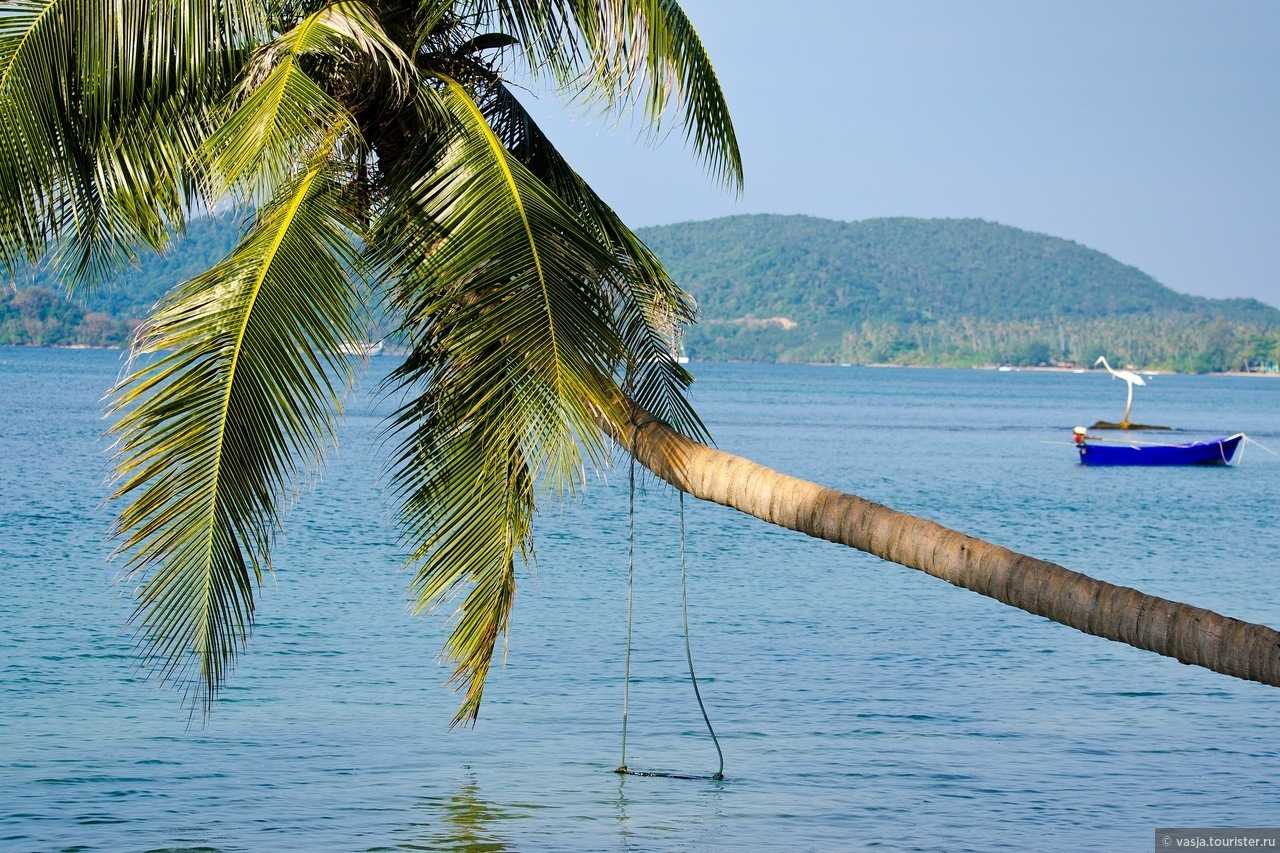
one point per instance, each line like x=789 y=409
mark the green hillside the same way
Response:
x=940 y=291
x=797 y=288
x=34 y=309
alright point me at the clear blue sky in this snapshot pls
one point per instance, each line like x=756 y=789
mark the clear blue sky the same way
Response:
x=1149 y=130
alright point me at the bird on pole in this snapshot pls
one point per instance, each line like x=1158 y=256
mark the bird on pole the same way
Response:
x=1130 y=379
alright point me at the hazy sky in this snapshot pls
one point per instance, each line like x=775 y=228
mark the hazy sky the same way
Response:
x=1150 y=131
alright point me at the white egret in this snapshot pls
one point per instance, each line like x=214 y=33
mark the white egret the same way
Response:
x=1130 y=379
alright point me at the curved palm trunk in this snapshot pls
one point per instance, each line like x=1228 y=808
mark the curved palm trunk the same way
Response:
x=1193 y=635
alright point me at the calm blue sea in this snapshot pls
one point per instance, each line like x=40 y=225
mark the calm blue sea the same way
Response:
x=860 y=704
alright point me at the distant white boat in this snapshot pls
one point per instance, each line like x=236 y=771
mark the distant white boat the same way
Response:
x=364 y=349
x=1004 y=368
x=678 y=358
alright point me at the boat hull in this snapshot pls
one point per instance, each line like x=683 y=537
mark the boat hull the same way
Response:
x=1219 y=451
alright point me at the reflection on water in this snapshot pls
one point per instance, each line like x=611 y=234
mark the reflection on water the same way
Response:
x=625 y=831
x=464 y=821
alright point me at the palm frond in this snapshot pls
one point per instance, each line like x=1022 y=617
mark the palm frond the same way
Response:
x=264 y=135
x=632 y=51
x=514 y=356
x=280 y=109
x=239 y=376
x=343 y=24
x=661 y=43
x=347 y=32
x=467 y=505
x=650 y=308
x=550 y=34
x=516 y=256
x=76 y=93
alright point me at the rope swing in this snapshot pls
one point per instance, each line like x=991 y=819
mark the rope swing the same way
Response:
x=684 y=606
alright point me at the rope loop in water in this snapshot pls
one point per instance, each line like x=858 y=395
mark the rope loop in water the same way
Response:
x=684 y=608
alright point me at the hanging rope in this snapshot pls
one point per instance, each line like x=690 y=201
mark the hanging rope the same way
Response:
x=1251 y=440
x=688 y=652
x=684 y=607
x=631 y=586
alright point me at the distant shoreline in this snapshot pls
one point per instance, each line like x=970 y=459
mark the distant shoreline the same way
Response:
x=986 y=367
x=1044 y=369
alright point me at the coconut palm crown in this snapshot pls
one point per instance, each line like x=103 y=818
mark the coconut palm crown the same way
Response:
x=385 y=160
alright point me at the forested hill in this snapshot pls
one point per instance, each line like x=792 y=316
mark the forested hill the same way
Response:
x=939 y=291
x=35 y=310
x=797 y=288
x=909 y=270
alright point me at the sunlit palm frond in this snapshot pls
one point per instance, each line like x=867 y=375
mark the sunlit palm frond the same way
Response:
x=356 y=55
x=73 y=94
x=262 y=137
x=280 y=109
x=514 y=356
x=46 y=177
x=467 y=508
x=234 y=395
x=346 y=29
x=626 y=51
x=663 y=45
x=516 y=259
x=650 y=308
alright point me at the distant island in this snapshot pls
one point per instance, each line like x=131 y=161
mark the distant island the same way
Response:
x=942 y=292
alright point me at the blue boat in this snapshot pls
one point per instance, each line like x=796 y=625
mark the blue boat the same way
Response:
x=1218 y=451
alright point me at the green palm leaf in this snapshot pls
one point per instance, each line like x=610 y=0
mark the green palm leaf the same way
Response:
x=625 y=50
x=678 y=68
x=467 y=505
x=262 y=138
x=514 y=254
x=649 y=307
x=514 y=357
x=235 y=396
x=280 y=111
x=83 y=172
x=349 y=31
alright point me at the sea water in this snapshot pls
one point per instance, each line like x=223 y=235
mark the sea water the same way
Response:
x=860 y=704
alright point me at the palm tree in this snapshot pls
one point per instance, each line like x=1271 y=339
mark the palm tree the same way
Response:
x=384 y=159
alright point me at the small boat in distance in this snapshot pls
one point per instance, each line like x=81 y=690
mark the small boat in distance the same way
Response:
x=1098 y=452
